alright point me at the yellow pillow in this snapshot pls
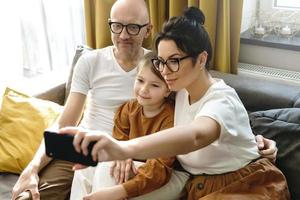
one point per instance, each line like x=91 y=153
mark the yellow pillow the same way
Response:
x=23 y=120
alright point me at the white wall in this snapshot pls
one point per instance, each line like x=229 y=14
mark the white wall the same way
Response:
x=270 y=57
x=259 y=55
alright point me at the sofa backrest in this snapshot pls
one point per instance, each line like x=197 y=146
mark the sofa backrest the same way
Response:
x=255 y=93
x=261 y=94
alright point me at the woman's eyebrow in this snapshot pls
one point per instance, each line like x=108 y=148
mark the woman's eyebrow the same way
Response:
x=172 y=55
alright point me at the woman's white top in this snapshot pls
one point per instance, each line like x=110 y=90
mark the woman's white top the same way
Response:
x=235 y=147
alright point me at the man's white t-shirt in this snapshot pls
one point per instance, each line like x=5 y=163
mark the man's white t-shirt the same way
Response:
x=98 y=75
x=235 y=147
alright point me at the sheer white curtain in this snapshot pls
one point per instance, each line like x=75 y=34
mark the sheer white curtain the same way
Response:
x=38 y=36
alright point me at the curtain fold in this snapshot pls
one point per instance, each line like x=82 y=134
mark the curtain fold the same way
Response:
x=223 y=23
x=96 y=17
x=158 y=14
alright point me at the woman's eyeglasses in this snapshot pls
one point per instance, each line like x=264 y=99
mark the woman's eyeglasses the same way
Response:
x=172 y=64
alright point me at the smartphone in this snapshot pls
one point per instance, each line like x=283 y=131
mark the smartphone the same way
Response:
x=60 y=146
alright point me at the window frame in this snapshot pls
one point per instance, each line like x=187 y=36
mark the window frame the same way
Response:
x=282 y=4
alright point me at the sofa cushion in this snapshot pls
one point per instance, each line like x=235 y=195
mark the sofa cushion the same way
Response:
x=22 y=123
x=283 y=126
x=80 y=50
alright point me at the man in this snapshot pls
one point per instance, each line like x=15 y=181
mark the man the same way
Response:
x=108 y=75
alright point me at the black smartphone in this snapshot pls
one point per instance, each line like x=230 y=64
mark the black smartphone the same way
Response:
x=60 y=146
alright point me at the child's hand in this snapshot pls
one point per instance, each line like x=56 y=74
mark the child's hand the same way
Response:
x=123 y=170
x=78 y=166
x=112 y=193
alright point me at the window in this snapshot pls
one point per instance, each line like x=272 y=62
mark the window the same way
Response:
x=292 y=4
x=270 y=37
x=38 y=37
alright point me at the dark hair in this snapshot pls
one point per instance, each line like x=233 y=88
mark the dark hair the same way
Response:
x=188 y=32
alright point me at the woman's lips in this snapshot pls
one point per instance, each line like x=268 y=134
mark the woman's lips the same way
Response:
x=170 y=81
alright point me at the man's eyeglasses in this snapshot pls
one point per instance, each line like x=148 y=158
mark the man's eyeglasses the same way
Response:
x=172 y=64
x=132 y=29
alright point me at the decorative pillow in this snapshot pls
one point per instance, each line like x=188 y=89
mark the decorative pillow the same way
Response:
x=283 y=126
x=22 y=122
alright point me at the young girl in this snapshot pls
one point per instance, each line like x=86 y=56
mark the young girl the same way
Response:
x=212 y=131
x=151 y=111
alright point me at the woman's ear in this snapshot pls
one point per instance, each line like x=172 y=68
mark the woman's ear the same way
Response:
x=202 y=58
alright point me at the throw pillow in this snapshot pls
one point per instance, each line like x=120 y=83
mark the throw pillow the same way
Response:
x=22 y=123
x=283 y=126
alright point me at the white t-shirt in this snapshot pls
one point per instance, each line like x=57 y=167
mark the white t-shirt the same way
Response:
x=98 y=75
x=235 y=147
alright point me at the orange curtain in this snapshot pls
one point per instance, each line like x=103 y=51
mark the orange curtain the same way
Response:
x=223 y=23
x=96 y=16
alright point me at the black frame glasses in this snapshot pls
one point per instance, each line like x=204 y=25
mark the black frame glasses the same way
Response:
x=131 y=29
x=173 y=64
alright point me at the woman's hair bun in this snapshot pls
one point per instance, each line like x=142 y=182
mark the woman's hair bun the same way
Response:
x=194 y=14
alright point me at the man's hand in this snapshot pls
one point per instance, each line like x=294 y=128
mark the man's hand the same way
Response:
x=122 y=170
x=28 y=181
x=267 y=148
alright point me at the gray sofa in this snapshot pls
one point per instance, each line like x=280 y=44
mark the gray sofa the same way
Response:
x=260 y=98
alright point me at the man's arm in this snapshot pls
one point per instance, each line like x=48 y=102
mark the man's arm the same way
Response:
x=73 y=110
x=70 y=116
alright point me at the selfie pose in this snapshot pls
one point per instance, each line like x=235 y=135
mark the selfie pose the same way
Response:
x=212 y=137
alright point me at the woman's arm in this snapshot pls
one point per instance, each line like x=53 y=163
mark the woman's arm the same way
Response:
x=178 y=140
x=170 y=142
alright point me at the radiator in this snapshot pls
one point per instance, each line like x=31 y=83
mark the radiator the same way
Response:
x=270 y=72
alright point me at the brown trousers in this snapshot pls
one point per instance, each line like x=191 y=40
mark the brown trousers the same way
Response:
x=258 y=180
x=55 y=181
